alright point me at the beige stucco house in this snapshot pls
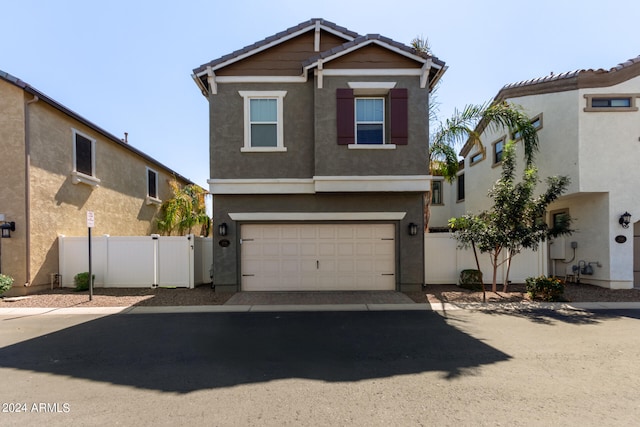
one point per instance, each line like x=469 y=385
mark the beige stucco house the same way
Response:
x=54 y=167
x=589 y=129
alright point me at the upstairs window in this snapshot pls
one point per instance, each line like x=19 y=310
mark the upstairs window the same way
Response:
x=498 y=151
x=84 y=159
x=616 y=102
x=460 y=182
x=374 y=117
x=152 y=188
x=152 y=183
x=83 y=155
x=478 y=157
x=263 y=121
x=369 y=121
x=436 y=192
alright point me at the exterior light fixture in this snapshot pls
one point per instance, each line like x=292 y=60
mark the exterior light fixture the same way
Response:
x=7 y=228
x=413 y=229
x=222 y=229
x=625 y=219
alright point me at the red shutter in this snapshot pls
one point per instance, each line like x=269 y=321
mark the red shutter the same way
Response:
x=345 y=115
x=399 y=116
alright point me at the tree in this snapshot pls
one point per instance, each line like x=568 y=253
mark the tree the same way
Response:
x=184 y=210
x=516 y=219
x=467 y=126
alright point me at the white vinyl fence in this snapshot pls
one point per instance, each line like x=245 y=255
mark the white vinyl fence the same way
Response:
x=137 y=261
x=444 y=262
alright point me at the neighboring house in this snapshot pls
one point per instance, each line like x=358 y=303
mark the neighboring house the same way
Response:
x=318 y=156
x=589 y=129
x=55 y=166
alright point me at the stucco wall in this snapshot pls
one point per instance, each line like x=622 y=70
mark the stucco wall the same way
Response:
x=57 y=205
x=411 y=248
x=332 y=159
x=12 y=172
x=226 y=120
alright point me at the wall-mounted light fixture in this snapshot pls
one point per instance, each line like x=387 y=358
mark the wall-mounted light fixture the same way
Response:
x=625 y=219
x=413 y=229
x=222 y=229
x=7 y=228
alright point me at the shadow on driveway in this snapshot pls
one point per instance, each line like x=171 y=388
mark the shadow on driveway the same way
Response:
x=188 y=352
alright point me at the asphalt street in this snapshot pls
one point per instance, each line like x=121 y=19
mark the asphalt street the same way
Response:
x=406 y=368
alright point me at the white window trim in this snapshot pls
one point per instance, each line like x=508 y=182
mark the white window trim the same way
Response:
x=279 y=96
x=79 y=177
x=355 y=122
x=151 y=200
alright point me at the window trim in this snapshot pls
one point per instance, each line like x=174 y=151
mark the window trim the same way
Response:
x=483 y=155
x=464 y=190
x=356 y=122
x=493 y=150
x=278 y=95
x=516 y=137
x=441 y=183
x=80 y=177
x=152 y=200
x=591 y=96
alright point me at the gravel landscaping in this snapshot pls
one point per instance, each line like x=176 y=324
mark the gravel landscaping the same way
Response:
x=204 y=295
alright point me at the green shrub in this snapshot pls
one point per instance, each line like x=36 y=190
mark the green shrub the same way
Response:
x=545 y=288
x=81 y=280
x=471 y=279
x=5 y=283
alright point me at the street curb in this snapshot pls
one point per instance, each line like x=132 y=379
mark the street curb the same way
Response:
x=35 y=311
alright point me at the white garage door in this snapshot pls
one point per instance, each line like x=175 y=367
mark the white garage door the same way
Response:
x=317 y=257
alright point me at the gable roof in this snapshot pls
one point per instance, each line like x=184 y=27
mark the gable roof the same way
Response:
x=42 y=97
x=572 y=80
x=353 y=41
x=276 y=39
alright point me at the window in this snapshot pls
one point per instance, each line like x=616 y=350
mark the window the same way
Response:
x=369 y=120
x=436 y=192
x=152 y=187
x=616 y=102
x=460 y=181
x=479 y=156
x=83 y=159
x=373 y=117
x=537 y=124
x=263 y=121
x=498 y=150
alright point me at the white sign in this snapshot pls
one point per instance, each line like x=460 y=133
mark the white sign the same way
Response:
x=90 y=219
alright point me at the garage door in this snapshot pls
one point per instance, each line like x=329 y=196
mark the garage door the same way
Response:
x=317 y=257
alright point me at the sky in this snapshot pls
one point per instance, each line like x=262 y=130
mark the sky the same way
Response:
x=126 y=65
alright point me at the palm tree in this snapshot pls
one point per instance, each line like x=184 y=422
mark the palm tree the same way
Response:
x=467 y=126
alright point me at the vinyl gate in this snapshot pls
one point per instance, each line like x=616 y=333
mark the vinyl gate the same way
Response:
x=137 y=261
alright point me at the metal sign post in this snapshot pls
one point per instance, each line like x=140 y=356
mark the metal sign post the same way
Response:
x=90 y=225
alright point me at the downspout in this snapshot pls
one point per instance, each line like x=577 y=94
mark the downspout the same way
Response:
x=27 y=187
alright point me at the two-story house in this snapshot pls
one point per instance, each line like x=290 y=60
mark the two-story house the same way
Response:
x=318 y=158
x=55 y=166
x=589 y=129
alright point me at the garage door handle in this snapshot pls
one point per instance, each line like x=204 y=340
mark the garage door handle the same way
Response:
x=388 y=274
x=317 y=265
x=248 y=275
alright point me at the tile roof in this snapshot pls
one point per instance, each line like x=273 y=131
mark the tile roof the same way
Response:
x=570 y=80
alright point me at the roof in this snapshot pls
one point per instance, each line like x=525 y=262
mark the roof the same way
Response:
x=43 y=97
x=571 y=80
x=278 y=38
x=352 y=39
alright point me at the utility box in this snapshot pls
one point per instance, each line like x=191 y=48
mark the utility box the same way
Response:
x=557 y=248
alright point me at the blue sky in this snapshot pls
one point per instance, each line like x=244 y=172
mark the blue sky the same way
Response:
x=126 y=65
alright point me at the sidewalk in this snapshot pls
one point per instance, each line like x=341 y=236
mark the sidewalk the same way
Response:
x=583 y=306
